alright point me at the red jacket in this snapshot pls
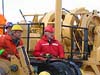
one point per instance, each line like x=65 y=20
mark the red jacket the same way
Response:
x=43 y=47
x=7 y=44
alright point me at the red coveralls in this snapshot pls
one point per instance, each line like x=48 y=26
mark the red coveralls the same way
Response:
x=7 y=44
x=43 y=47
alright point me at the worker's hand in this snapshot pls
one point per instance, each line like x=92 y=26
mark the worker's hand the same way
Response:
x=41 y=55
x=19 y=47
x=47 y=55
x=9 y=56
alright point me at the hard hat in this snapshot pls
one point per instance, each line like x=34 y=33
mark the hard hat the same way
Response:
x=44 y=73
x=49 y=28
x=9 y=24
x=16 y=27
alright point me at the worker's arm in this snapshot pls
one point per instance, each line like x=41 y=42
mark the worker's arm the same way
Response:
x=3 y=51
x=37 y=50
x=61 y=51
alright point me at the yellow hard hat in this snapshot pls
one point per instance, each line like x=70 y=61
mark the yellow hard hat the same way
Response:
x=44 y=73
x=17 y=27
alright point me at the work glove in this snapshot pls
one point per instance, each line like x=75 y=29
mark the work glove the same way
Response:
x=9 y=56
x=5 y=54
x=47 y=55
x=2 y=51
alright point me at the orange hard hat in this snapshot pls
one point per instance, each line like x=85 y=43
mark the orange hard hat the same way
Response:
x=49 y=28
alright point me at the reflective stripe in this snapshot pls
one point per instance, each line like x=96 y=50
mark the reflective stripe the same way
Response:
x=2 y=35
x=46 y=44
x=55 y=44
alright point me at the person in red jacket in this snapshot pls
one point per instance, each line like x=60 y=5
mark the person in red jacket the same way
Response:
x=48 y=45
x=9 y=42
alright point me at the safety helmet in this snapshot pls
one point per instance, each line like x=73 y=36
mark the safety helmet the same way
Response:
x=9 y=24
x=16 y=27
x=44 y=73
x=49 y=28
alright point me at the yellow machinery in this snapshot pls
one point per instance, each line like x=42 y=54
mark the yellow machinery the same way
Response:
x=80 y=20
x=17 y=66
x=79 y=32
x=90 y=20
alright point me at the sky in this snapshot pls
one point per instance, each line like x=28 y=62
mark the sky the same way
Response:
x=12 y=7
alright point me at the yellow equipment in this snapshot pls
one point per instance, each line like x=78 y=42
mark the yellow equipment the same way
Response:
x=17 y=66
x=85 y=34
x=79 y=32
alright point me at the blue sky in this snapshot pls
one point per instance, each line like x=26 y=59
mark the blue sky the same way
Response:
x=11 y=7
